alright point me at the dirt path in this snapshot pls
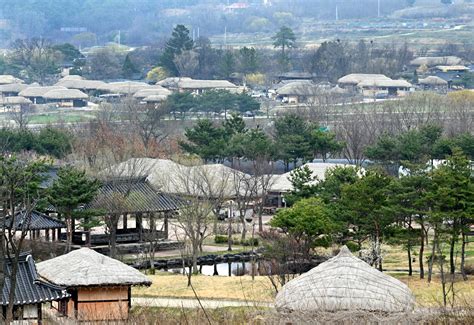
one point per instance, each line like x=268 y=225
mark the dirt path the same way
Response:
x=194 y=303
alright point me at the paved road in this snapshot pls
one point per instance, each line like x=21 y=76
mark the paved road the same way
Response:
x=193 y=303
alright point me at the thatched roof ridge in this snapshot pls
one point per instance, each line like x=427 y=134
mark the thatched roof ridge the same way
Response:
x=155 y=98
x=127 y=87
x=14 y=100
x=436 y=60
x=72 y=77
x=82 y=84
x=345 y=282
x=356 y=78
x=433 y=81
x=171 y=82
x=385 y=83
x=38 y=91
x=299 y=88
x=9 y=79
x=152 y=91
x=15 y=88
x=85 y=268
x=65 y=94
x=205 y=84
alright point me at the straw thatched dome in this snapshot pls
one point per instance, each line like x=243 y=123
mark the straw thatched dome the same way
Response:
x=85 y=267
x=345 y=283
x=65 y=94
x=433 y=81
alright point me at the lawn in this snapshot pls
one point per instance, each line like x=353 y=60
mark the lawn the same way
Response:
x=70 y=117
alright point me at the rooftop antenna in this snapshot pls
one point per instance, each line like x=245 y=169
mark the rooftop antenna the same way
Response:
x=378 y=8
x=193 y=35
x=337 y=14
x=225 y=36
x=198 y=33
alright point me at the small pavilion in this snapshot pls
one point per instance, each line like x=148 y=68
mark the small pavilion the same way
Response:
x=38 y=225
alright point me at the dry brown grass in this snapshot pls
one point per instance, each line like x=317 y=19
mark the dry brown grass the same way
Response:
x=211 y=287
x=243 y=288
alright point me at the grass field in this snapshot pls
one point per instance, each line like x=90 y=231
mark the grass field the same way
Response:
x=70 y=117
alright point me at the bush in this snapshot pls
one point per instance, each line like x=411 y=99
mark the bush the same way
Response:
x=218 y=239
x=353 y=247
x=249 y=242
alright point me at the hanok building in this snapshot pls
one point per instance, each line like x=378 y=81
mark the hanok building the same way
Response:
x=373 y=84
x=94 y=87
x=8 y=79
x=14 y=103
x=38 y=225
x=66 y=97
x=30 y=292
x=10 y=90
x=100 y=286
x=198 y=87
x=433 y=83
x=36 y=93
x=131 y=198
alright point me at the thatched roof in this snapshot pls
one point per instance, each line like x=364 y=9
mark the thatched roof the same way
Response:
x=155 y=98
x=65 y=94
x=214 y=180
x=14 y=100
x=171 y=82
x=345 y=283
x=9 y=79
x=356 y=78
x=83 y=84
x=152 y=91
x=447 y=68
x=12 y=88
x=127 y=87
x=205 y=84
x=282 y=183
x=298 y=88
x=433 y=81
x=86 y=268
x=72 y=77
x=385 y=83
x=431 y=61
x=38 y=91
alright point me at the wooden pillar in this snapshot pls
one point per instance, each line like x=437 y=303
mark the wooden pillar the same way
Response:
x=165 y=224
x=139 y=226
x=59 y=234
x=54 y=234
x=46 y=233
x=124 y=218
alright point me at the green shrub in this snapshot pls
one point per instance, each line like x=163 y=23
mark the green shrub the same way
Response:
x=353 y=247
x=249 y=242
x=218 y=239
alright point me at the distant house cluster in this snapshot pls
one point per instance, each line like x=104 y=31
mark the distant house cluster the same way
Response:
x=75 y=91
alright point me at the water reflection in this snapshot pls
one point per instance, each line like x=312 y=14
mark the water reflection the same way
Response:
x=227 y=269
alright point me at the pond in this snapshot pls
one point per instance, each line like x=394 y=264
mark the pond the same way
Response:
x=228 y=269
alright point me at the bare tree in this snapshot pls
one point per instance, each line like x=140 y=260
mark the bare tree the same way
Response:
x=22 y=115
x=187 y=63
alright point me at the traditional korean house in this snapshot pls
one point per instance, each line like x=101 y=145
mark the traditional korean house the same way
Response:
x=38 y=225
x=30 y=292
x=100 y=286
x=132 y=198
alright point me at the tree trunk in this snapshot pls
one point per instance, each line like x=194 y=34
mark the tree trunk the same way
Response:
x=463 y=257
x=452 y=266
x=244 y=226
x=433 y=252
x=410 y=269
x=69 y=232
x=420 y=255
x=113 y=236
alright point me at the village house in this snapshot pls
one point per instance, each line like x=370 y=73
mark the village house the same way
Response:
x=30 y=292
x=371 y=85
x=99 y=286
x=433 y=83
x=14 y=103
x=9 y=79
x=198 y=87
x=9 y=90
x=36 y=93
x=66 y=97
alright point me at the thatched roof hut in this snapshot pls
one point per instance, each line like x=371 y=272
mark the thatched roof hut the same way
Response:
x=384 y=83
x=83 y=84
x=356 y=78
x=345 y=283
x=38 y=91
x=193 y=84
x=433 y=81
x=14 y=100
x=65 y=94
x=298 y=88
x=152 y=91
x=9 y=79
x=85 y=267
x=127 y=87
x=436 y=60
x=12 y=88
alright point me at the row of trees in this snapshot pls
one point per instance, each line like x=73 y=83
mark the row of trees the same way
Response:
x=293 y=140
